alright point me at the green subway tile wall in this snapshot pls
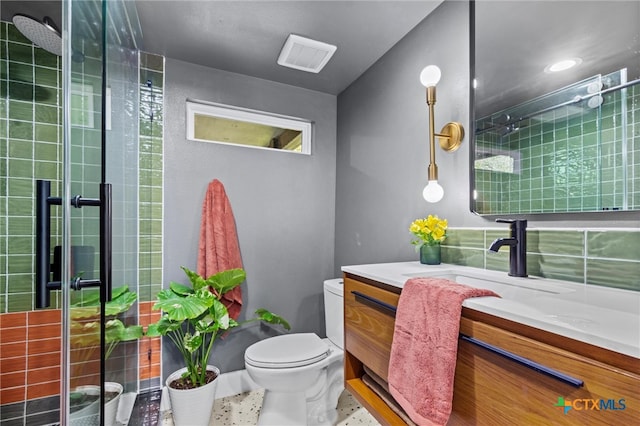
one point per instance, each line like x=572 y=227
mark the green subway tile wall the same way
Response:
x=151 y=176
x=563 y=161
x=86 y=160
x=31 y=148
x=609 y=258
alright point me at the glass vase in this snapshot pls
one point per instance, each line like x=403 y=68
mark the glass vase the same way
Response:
x=430 y=254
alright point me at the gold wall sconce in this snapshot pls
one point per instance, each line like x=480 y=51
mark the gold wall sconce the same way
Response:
x=450 y=137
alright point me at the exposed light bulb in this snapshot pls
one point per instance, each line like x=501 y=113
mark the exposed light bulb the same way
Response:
x=433 y=192
x=430 y=76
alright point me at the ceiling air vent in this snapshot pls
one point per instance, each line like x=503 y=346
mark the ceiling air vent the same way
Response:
x=305 y=54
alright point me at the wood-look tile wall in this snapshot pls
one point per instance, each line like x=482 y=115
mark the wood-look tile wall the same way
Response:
x=149 y=349
x=30 y=355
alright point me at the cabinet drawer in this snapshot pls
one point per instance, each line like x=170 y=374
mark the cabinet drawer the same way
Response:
x=368 y=324
x=493 y=389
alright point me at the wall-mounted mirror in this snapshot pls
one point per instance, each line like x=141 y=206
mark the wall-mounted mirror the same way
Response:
x=547 y=139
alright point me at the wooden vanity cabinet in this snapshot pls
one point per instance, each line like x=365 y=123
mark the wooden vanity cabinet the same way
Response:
x=368 y=332
x=490 y=388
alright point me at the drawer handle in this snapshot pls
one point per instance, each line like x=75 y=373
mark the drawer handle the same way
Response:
x=526 y=362
x=375 y=301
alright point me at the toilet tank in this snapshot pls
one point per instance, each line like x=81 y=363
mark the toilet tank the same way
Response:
x=334 y=310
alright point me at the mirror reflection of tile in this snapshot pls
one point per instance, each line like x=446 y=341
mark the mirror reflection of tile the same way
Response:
x=566 y=151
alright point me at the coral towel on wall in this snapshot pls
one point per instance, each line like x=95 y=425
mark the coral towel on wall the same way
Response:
x=219 y=249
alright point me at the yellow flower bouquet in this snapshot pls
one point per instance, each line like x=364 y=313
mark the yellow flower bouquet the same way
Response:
x=428 y=231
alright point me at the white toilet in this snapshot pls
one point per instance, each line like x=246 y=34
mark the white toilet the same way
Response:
x=301 y=373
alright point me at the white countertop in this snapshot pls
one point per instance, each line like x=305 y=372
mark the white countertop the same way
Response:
x=602 y=316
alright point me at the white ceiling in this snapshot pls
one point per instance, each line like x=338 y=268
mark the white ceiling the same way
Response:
x=246 y=36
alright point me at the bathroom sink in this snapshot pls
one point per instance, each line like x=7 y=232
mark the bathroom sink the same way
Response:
x=511 y=288
x=601 y=316
x=570 y=309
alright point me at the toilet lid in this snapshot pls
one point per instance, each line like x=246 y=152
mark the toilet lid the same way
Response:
x=287 y=351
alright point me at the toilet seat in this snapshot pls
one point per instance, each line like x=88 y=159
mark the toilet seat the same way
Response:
x=287 y=351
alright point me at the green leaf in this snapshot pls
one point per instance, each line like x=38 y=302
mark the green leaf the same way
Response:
x=181 y=308
x=116 y=331
x=120 y=304
x=92 y=298
x=132 y=332
x=119 y=291
x=207 y=325
x=122 y=300
x=84 y=334
x=225 y=281
x=272 y=318
x=192 y=342
x=196 y=280
x=82 y=313
x=89 y=298
x=220 y=314
x=205 y=294
x=180 y=289
x=162 y=327
x=164 y=295
x=152 y=331
x=113 y=329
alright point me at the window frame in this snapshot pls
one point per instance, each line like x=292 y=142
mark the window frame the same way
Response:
x=230 y=112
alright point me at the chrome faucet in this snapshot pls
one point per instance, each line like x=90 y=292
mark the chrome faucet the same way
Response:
x=517 y=246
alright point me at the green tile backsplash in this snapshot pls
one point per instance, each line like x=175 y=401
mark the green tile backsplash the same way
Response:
x=613 y=244
x=609 y=258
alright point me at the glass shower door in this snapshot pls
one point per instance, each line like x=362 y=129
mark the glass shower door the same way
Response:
x=121 y=170
x=99 y=211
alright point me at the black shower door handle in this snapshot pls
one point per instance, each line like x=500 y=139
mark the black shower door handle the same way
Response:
x=44 y=201
x=106 y=234
x=43 y=243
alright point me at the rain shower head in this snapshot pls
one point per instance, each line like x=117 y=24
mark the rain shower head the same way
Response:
x=43 y=33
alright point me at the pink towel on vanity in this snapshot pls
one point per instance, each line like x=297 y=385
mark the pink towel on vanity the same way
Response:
x=218 y=249
x=425 y=345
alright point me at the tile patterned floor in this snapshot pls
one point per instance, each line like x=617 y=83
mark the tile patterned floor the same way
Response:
x=243 y=410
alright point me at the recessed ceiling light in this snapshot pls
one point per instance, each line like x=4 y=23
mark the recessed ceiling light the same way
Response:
x=305 y=54
x=563 y=65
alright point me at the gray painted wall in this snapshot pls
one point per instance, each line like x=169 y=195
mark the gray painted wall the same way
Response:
x=284 y=203
x=383 y=147
x=367 y=191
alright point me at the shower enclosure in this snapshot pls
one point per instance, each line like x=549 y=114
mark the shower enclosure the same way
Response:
x=70 y=215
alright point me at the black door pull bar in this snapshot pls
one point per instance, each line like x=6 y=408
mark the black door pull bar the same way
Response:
x=44 y=201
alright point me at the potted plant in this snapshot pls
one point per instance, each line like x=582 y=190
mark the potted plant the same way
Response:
x=192 y=319
x=430 y=232
x=85 y=343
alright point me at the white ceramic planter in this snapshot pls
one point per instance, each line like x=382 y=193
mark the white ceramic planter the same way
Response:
x=90 y=415
x=111 y=407
x=192 y=407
